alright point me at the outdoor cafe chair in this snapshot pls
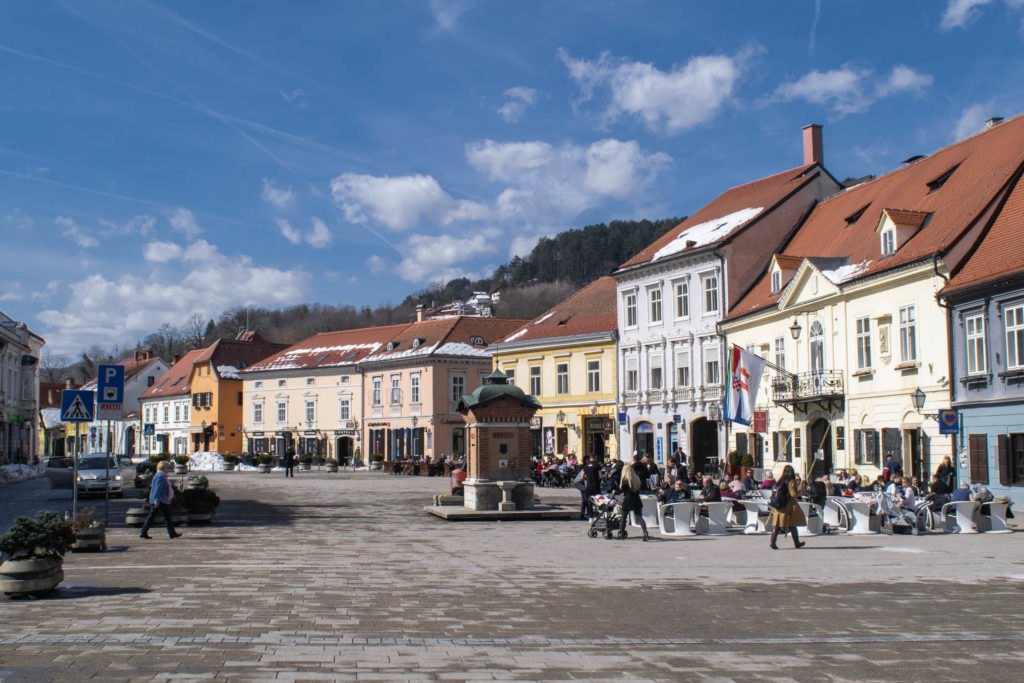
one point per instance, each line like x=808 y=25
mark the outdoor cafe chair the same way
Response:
x=925 y=516
x=755 y=523
x=681 y=519
x=813 y=526
x=650 y=512
x=860 y=511
x=836 y=514
x=715 y=524
x=961 y=521
x=995 y=521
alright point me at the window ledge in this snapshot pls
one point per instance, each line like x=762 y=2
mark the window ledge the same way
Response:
x=976 y=380
x=866 y=373
x=1015 y=375
x=907 y=367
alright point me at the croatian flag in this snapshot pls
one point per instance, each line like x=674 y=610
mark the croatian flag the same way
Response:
x=745 y=370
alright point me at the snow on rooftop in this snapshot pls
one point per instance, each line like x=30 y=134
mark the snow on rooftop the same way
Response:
x=228 y=372
x=544 y=317
x=461 y=349
x=707 y=232
x=844 y=273
x=408 y=353
x=517 y=335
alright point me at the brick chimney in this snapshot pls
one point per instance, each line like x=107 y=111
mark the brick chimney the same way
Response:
x=812 y=145
x=419 y=313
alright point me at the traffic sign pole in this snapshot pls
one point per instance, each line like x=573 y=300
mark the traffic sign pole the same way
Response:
x=74 y=484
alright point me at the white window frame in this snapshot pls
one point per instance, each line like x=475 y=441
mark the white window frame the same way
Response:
x=396 y=389
x=377 y=382
x=414 y=388
x=816 y=347
x=655 y=308
x=712 y=299
x=629 y=309
x=863 y=335
x=776 y=281
x=683 y=373
x=457 y=383
x=344 y=409
x=310 y=411
x=562 y=378
x=536 y=387
x=974 y=336
x=510 y=372
x=1013 y=324
x=712 y=365
x=282 y=409
x=593 y=375
x=655 y=372
x=682 y=300
x=888 y=239
x=631 y=373
x=908 y=334
x=780 y=352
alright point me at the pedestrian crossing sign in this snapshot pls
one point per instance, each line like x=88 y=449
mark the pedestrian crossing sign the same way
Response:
x=76 y=406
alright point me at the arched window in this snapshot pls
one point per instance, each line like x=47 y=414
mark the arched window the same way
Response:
x=817 y=338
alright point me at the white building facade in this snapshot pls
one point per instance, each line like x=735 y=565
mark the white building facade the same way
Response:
x=19 y=391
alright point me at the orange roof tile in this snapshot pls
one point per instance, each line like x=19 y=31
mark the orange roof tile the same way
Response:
x=589 y=311
x=903 y=217
x=329 y=349
x=704 y=226
x=984 y=164
x=174 y=382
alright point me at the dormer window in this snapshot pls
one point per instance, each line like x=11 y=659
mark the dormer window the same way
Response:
x=392 y=345
x=941 y=180
x=776 y=281
x=855 y=216
x=888 y=242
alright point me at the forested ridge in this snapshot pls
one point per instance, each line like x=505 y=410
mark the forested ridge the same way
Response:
x=554 y=269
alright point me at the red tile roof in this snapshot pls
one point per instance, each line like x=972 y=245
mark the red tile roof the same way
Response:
x=788 y=262
x=903 y=217
x=132 y=367
x=174 y=382
x=229 y=356
x=329 y=349
x=456 y=336
x=765 y=194
x=999 y=252
x=984 y=164
x=589 y=311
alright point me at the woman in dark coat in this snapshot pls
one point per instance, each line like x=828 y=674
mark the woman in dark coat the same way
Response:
x=787 y=518
x=630 y=486
x=946 y=474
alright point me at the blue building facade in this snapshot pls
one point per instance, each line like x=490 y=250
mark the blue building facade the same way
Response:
x=987 y=383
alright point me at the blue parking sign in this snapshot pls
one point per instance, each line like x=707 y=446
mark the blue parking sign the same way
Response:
x=110 y=384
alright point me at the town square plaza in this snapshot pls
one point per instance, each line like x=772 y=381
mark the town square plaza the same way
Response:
x=344 y=577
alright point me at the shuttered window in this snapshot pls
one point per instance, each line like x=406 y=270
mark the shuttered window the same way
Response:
x=1003 y=458
x=978 y=453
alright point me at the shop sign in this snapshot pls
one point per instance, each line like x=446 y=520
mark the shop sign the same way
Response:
x=761 y=421
x=257 y=434
x=535 y=422
x=344 y=432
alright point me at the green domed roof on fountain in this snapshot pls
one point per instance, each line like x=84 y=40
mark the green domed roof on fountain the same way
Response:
x=495 y=386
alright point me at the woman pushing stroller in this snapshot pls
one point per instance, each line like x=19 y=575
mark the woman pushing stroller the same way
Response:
x=629 y=485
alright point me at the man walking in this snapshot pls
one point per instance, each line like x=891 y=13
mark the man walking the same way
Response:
x=160 y=495
x=289 y=462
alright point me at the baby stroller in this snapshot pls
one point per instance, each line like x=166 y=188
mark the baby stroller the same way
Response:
x=609 y=516
x=894 y=518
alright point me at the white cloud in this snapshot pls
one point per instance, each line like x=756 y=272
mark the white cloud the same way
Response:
x=290 y=233
x=399 y=203
x=120 y=309
x=971 y=121
x=850 y=90
x=18 y=220
x=959 y=13
x=447 y=12
x=282 y=198
x=430 y=258
x=184 y=222
x=319 y=237
x=674 y=101
x=517 y=100
x=75 y=232
x=161 y=252
x=376 y=264
x=142 y=225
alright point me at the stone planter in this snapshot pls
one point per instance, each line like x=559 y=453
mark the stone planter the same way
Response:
x=376 y=465
x=332 y=467
x=35 y=577
x=305 y=466
x=91 y=540
x=229 y=466
x=136 y=516
x=180 y=468
x=264 y=469
x=200 y=516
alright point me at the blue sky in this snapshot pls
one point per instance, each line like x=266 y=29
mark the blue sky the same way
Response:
x=159 y=159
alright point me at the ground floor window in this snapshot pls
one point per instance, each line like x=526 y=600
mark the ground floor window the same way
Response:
x=865 y=447
x=782 y=446
x=459 y=441
x=1011 y=459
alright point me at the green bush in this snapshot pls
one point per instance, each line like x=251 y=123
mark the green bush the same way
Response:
x=48 y=535
x=735 y=459
x=377 y=457
x=181 y=459
x=306 y=458
x=145 y=467
x=198 y=482
x=265 y=459
x=747 y=460
x=231 y=459
x=157 y=459
x=200 y=500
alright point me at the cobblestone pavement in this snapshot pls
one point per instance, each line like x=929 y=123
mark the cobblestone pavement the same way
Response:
x=343 y=577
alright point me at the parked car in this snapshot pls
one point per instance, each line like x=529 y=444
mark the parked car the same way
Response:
x=60 y=472
x=92 y=475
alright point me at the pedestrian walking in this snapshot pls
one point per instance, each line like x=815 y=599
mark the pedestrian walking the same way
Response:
x=630 y=485
x=786 y=514
x=289 y=462
x=160 y=496
x=590 y=485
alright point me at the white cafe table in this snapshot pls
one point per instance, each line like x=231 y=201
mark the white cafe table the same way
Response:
x=836 y=514
x=995 y=521
x=861 y=517
x=715 y=524
x=755 y=525
x=650 y=513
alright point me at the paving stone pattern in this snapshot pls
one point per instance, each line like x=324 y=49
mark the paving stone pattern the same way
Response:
x=342 y=577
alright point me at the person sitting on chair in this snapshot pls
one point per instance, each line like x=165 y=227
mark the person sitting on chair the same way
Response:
x=962 y=494
x=710 y=493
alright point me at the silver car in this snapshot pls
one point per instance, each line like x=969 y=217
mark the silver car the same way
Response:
x=92 y=475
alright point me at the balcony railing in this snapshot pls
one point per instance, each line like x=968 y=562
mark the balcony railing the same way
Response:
x=683 y=393
x=808 y=386
x=711 y=392
x=630 y=398
x=655 y=395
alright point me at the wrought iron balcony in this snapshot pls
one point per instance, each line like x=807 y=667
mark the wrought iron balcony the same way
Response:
x=808 y=387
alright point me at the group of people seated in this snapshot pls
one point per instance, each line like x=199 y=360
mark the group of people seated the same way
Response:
x=436 y=466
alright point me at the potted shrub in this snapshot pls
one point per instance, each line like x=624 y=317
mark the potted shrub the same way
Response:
x=197 y=481
x=200 y=505
x=180 y=464
x=90 y=533
x=734 y=460
x=747 y=463
x=144 y=472
x=230 y=461
x=377 y=461
x=331 y=465
x=265 y=461
x=305 y=461
x=136 y=515
x=35 y=550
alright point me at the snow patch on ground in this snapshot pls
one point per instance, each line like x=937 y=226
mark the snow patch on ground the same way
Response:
x=206 y=461
x=12 y=473
x=844 y=273
x=707 y=232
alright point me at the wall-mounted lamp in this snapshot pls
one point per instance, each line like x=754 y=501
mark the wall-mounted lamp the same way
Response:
x=560 y=417
x=794 y=329
x=918 y=398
